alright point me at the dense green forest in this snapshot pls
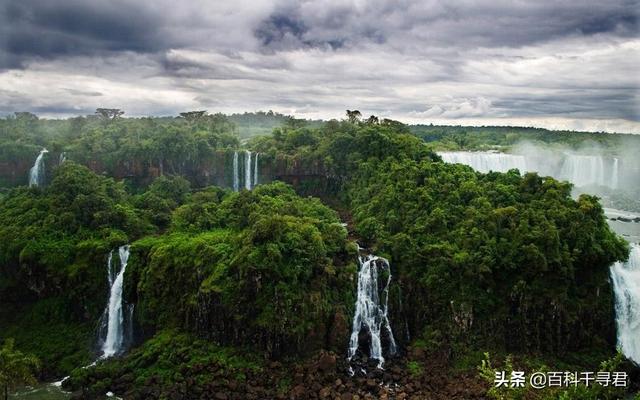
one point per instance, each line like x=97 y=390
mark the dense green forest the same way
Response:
x=250 y=293
x=499 y=137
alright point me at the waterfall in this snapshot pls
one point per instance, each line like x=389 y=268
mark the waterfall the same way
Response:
x=236 y=182
x=36 y=173
x=115 y=332
x=371 y=308
x=62 y=157
x=583 y=170
x=255 y=170
x=486 y=161
x=247 y=170
x=626 y=287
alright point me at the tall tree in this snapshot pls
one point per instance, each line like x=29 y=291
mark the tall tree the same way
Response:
x=353 y=116
x=16 y=368
x=192 y=116
x=109 y=114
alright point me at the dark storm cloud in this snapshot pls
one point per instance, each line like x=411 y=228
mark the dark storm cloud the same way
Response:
x=51 y=29
x=464 y=23
x=399 y=58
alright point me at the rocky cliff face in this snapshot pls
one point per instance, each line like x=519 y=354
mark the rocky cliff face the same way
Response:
x=310 y=176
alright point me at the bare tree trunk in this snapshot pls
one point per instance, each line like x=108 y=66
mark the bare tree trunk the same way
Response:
x=6 y=392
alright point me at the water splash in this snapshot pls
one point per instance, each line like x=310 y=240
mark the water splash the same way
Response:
x=115 y=328
x=372 y=308
x=236 y=177
x=36 y=173
x=626 y=286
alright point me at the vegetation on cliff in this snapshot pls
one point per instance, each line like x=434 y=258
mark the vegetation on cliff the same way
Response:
x=498 y=262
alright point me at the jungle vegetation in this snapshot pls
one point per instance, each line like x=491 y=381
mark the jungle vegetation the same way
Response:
x=482 y=262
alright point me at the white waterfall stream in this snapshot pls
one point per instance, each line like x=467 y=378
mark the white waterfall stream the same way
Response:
x=247 y=170
x=615 y=174
x=486 y=161
x=236 y=177
x=248 y=179
x=626 y=286
x=255 y=170
x=36 y=173
x=581 y=170
x=115 y=333
x=372 y=308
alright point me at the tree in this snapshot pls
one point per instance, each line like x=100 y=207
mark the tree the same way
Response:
x=16 y=368
x=372 y=120
x=353 y=116
x=26 y=116
x=109 y=114
x=192 y=116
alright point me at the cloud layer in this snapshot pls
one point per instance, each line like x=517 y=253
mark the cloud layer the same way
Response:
x=541 y=63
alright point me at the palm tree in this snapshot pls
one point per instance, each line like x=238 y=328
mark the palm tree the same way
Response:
x=16 y=368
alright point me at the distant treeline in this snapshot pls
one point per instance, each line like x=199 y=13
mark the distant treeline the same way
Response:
x=441 y=137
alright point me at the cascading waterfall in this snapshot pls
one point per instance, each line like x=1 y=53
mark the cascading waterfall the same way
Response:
x=115 y=330
x=36 y=173
x=583 y=170
x=486 y=161
x=247 y=170
x=251 y=171
x=626 y=287
x=371 y=308
x=255 y=170
x=236 y=177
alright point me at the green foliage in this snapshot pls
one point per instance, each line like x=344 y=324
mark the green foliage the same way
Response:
x=16 y=368
x=251 y=124
x=488 y=372
x=137 y=147
x=415 y=368
x=47 y=330
x=173 y=361
x=480 y=250
x=497 y=261
x=595 y=391
x=489 y=137
x=266 y=260
x=50 y=237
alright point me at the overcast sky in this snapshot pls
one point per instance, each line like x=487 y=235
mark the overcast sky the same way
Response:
x=549 y=63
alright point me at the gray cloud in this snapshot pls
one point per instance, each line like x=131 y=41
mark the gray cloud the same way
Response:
x=45 y=29
x=409 y=59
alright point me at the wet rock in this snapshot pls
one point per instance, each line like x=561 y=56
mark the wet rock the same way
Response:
x=327 y=362
x=346 y=396
x=298 y=392
x=325 y=392
x=221 y=396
